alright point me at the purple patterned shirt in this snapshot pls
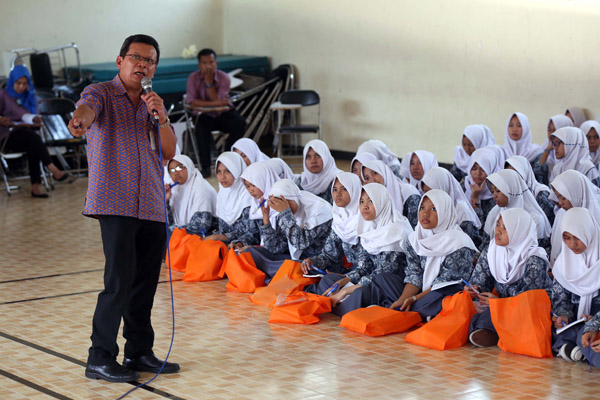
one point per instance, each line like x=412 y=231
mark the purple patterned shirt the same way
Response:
x=125 y=174
x=196 y=89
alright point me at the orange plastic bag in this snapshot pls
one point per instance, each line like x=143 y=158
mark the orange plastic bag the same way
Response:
x=243 y=275
x=177 y=250
x=450 y=328
x=269 y=295
x=304 y=312
x=204 y=260
x=523 y=323
x=379 y=321
x=293 y=270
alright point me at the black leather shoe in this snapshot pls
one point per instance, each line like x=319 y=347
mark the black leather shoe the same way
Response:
x=150 y=363
x=112 y=372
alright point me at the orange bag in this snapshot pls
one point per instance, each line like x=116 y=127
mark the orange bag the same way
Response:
x=450 y=328
x=305 y=312
x=523 y=323
x=279 y=289
x=293 y=270
x=204 y=260
x=177 y=250
x=379 y=321
x=243 y=275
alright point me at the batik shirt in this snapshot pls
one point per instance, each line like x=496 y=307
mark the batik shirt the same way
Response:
x=411 y=209
x=333 y=253
x=565 y=302
x=200 y=224
x=243 y=230
x=369 y=265
x=546 y=205
x=326 y=195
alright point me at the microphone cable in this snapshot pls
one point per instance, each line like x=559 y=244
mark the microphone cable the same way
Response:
x=168 y=261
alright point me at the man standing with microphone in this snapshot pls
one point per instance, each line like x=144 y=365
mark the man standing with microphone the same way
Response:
x=125 y=193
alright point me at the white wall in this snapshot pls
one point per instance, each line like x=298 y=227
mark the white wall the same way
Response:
x=414 y=74
x=99 y=27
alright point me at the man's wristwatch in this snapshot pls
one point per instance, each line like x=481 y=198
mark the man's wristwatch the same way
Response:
x=165 y=124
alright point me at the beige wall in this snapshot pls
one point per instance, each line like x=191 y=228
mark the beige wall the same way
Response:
x=414 y=74
x=99 y=27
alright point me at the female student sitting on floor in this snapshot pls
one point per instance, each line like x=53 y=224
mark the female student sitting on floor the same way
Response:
x=517 y=139
x=484 y=162
x=319 y=170
x=576 y=115
x=540 y=191
x=343 y=238
x=576 y=271
x=192 y=202
x=281 y=168
x=543 y=167
x=383 y=234
x=591 y=129
x=466 y=218
x=356 y=166
x=587 y=340
x=297 y=230
x=571 y=152
x=382 y=152
x=474 y=137
x=512 y=264
x=572 y=189
x=405 y=197
x=421 y=161
x=248 y=149
x=233 y=203
x=438 y=251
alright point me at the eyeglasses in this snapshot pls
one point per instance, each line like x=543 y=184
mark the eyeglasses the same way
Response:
x=138 y=58
x=556 y=142
x=177 y=169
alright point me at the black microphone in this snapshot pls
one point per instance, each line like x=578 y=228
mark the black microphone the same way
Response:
x=147 y=88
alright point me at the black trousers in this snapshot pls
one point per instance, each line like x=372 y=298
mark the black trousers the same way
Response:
x=26 y=140
x=133 y=250
x=230 y=122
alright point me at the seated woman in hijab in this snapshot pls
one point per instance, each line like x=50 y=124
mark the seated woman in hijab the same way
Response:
x=542 y=168
x=191 y=200
x=297 y=229
x=249 y=150
x=474 y=137
x=421 y=161
x=17 y=106
x=380 y=151
x=319 y=170
x=512 y=264
x=571 y=152
x=483 y=162
x=233 y=203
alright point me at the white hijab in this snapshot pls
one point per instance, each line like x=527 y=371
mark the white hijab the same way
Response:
x=281 y=168
x=389 y=230
x=577 y=153
x=345 y=219
x=319 y=183
x=312 y=210
x=490 y=159
x=195 y=195
x=250 y=149
x=577 y=114
x=511 y=184
x=522 y=147
x=362 y=158
x=232 y=201
x=580 y=273
x=380 y=151
x=480 y=136
x=586 y=127
x=441 y=178
x=428 y=161
x=523 y=168
x=437 y=243
x=559 y=121
x=399 y=191
x=508 y=263
x=263 y=177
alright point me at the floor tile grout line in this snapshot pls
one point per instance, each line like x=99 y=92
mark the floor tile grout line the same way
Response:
x=34 y=386
x=51 y=276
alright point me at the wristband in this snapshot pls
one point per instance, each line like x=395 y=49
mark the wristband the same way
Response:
x=414 y=298
x=165 y=124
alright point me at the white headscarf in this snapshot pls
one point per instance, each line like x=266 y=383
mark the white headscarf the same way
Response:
x=559 y=121
x=195 y=195
x=281 y=168
x=405 y=167
x=441 y=178
x=490 y=160
x=577 y=114
x=428 y=161
x=507 y=263
x=345 y=219
x=437 y=243
x=511 y=184
x=480 y=136
x=523 y=168
x=380 y=151
x=250 y=149
x=580 y=273
x=312 y=210
x=389 y=230
x=263 y=177
x=399 y=191
x=362 y=158
x=319 y=183
x=232 y=201
x=522 y=147
x=577 y=153
x=586 y=127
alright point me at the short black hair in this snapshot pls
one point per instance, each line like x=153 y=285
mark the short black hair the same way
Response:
x=140 y=38
x=206 y=52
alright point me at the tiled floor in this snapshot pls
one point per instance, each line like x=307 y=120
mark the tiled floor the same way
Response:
x=51 y=272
